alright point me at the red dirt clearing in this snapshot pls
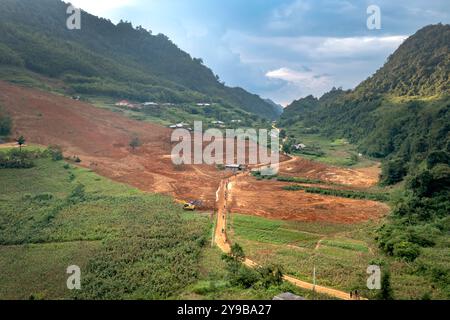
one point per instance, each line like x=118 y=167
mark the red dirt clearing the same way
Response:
x=268 y=199
x=360 y=178
x=101 y=138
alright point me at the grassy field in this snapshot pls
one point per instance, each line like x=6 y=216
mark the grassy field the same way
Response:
x=128 y=244
x=340 y=253
x=213 y=284
x=338 y=152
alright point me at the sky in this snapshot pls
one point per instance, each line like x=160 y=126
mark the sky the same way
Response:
x=280 y=49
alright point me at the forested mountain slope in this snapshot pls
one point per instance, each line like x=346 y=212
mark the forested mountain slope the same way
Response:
x=113 y=60
x=401 y=113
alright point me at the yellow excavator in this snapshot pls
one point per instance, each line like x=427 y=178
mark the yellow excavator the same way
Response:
x=190 y=206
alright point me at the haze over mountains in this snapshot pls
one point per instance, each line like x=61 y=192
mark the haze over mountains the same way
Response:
x=104 y=59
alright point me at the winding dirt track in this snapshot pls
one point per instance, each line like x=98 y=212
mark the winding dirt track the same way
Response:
x=223 y=195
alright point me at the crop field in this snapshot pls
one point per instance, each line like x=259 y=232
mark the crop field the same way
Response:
x=340 y=253
x=213 y=284
x=128 y=244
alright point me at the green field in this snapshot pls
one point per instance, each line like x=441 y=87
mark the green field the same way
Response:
x=340 y=253
x=338 y=152
x=213 y=284
x=128 y=244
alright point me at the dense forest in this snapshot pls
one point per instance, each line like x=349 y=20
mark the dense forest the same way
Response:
x=112 y=60
x=400 y=115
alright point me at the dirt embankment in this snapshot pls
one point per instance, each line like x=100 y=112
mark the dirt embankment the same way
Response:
x=268 y=199
x=357 y=178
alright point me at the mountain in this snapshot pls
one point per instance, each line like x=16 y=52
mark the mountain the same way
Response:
x=112 y=60
x=400 y=114
x=278 y=107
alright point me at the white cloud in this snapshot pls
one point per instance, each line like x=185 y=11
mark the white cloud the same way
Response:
x=317 y=48
x=296 y=7
x=345 y=47
x=296 y=76
x=300 y=83
x=101 y=7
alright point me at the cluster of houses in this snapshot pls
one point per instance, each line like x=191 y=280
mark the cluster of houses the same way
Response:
x=180 y=126
x=139 y=106
x=128 y=104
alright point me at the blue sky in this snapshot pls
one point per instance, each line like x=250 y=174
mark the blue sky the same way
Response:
x=280 y=49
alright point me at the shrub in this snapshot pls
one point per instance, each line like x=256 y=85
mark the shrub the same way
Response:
x=406 y=250
x=393 y=171
x=386 y=292
x=15 y=159
x=245 y=277
x=438 y=157
x=77 y=195
x=55 y=153
x=43 y=197
x=271 y=275
x=5 y=125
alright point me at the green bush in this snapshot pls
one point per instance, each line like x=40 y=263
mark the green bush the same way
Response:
x=393 y=171
x=406 y=250
x=245 y=277
x=16 y=159
x=77 y=195
x=55 y=153
x=271 y=275
x=5 y=125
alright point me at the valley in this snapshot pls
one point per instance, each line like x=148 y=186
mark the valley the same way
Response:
x=100 y=138
x=92 y=121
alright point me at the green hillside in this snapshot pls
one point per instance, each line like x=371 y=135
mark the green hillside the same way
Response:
x=401 y=116
x=119 y=61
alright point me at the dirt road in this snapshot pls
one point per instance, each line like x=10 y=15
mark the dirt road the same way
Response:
x=223 y=197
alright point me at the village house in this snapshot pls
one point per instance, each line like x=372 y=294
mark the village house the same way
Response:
x=235 y=167
x=123 y=103
x=299 y=146
x=150 y=104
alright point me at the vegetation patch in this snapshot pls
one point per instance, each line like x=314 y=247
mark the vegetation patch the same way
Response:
x=341 y=193
x=129 y=244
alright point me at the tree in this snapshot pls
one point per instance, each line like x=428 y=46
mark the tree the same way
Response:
x=237 y=253
x=234 y=259
x=5 y=125
x=271 y=275
x=135 y=143
x=386 y=292
x=21 y=141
